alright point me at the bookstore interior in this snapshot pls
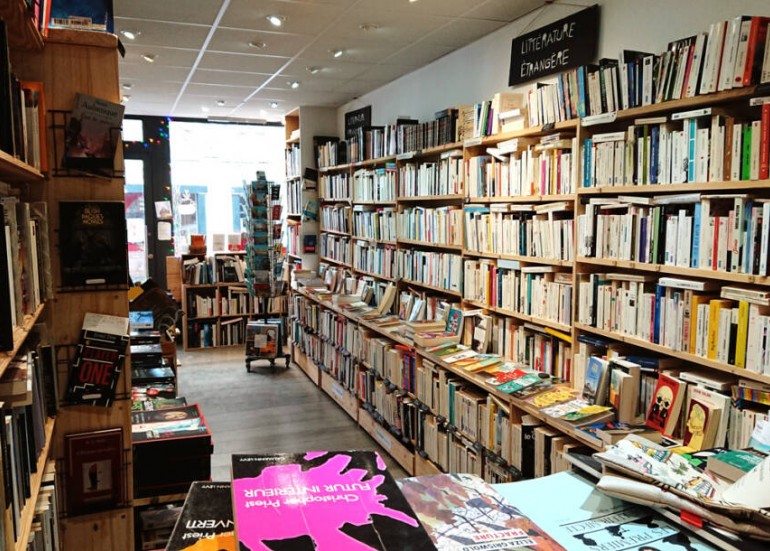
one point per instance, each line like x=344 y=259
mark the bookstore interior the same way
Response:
x=523 y=245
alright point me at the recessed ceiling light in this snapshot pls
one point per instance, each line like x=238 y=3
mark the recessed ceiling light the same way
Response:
x=127 y=85
x=369 y=26
x=338 y=52
x=149 y=58
x=274 y=104
x=263 y=112
x=124 y=98
x=294 y=84
x=205 y=109
x=276 y=20
x=221 y=102
x=257 y=44
x=313 y=70
x=412 y=1
x=129 y=34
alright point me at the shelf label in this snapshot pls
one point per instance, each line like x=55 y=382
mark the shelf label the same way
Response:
x=473 y=142
x=452 y=153
x=337 y=390
x=759 y=101
x=383 y=438
x=405 y=156
x=691 y=114
x=602 y=118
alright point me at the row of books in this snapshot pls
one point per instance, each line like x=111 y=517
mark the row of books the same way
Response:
x=682 y=315
x=336 y=217
x=374 y=223
x=542 y=292
x=25 y=265
x=516 y=168
x=440 y=225
x=297 y=242
x=430 y=178
x=545 y=231
x=378 y=185
x=336 y=247
x=503 y=113
x=334 y=187
x=293 y=161
x=294 y=196
x=726 y=233
x=374 y=258
x=443 y=270
x=416 y=136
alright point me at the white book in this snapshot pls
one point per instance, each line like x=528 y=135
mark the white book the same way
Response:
x=647 y=64
x=679 y=283
x=696 y=69
x=741 y=52
x=714 y=46
x=737 y=145
x=765 y=75
x=727 y=67
x=765 y=237
x=701 y=154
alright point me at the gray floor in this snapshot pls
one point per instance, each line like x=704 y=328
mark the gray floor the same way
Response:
x=265 y=411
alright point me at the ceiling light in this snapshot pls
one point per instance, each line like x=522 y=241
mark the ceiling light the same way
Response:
x=149 y=58
x=263 y=112
x=221 y=102
x=338 y=52
x=276 y=20
x=127 y=85
x=313 y=70
x=369 y=27
x=131 y=35
x=274 y=104
x=124 y=98
x=294 y=84
x=257 y=44
x=205 y=108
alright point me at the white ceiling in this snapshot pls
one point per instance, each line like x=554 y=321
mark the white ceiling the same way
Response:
x=203 y=55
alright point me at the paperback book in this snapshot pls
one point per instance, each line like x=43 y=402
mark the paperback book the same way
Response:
x=323 y=501
x=99 y=359
x=206 y=520
x=92 y=135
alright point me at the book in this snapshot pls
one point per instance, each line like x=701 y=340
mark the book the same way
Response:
x=92 y=135
x=596 y=380
x=666 y=403
x=586 y=519
x=99 y=359
x=94 y=475
x=206 y=520
x=93 y=244
x=321 y=500
x=733 y=464
x=462 y=512
x=702 y=422
x=88 y=15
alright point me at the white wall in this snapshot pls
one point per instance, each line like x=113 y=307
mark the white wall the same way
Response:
x=479 y=70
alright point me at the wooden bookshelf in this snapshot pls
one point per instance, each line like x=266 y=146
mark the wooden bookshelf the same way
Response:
x=20 y=334
x=24 y=34
x=519 y=258
x=430 y=245
x=431 y=287
x=732 y=185
x=523 y=317
x=431 y=198
x=35 y=482
x=335 y=232
x=14 y=170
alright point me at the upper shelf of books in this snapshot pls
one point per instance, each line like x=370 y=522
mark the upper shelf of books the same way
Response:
x=14 y=170
x=22 y=29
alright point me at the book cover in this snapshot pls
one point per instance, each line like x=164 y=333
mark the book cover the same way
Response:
x=93 y=244
x=206 y=520
x=92 y=135
x=462 y=512
x=596 y=378
x=665 y=405
x=170 y=423
x=701 y=425
x=262 y=339
x=89 y=15
x=587 y=519
x=94 y=477
x=99 y=359
x=321 y=500
x=454 y=320
x=733 y=464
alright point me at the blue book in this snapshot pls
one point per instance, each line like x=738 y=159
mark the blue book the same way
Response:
x=642 y=241
x=595 y=385
x=91 y=15
x=748 y=246
x=660 y=292
x=696 y=224
x=632 y=85
x=654 y=152
x=582 y=99
x=692 y=135
x=587 y=159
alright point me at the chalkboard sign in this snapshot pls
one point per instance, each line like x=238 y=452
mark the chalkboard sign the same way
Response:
x=359 y=118
x=564 y=44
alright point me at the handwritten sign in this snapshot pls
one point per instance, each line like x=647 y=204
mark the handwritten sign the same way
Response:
x=359 y=118
x=564 y=44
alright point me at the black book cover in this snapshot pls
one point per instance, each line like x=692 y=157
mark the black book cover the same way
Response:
x=93 y=243
x=152 y=375
x=99 y=359
x=170 y=423
x=321 y=500
x=6 y=290
x=207 y=517
x=92 y=135
x=6 y=108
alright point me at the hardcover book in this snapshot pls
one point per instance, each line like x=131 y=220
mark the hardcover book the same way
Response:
x=462 y=512
x=206 y=521
x=321 y=500
x=92 y=135
x=93 y=244
x=95 y=462
x=99 y=359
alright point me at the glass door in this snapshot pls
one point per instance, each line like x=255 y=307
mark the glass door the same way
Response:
x=135 y=220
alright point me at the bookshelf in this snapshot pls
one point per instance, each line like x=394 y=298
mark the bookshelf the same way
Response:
x=65 y=63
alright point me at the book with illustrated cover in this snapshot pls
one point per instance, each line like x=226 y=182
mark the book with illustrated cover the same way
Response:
x=321 y=500
x=666 y=404
x=464 y=513
x=87 y=15
x=99 y=360
x=588 y=520
x=92 y=135
x=94 y=476
x=93 y=244
x=206 y=520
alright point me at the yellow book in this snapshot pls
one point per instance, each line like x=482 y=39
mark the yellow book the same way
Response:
x=696 y=301
x=712 y=344
x=559 y=335
x=743 y=334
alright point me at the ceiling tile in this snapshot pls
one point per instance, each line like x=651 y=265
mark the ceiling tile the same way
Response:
x=394 y=26
x=229 y=78
x=154 y=108
x=355 y=52
x=150 y=89
x=194 y=107
x=165 y=57
x=244 y=63
x=335 y=69
x=282 y=82
x=504 y=10
x=462 y=32
x=146 y=71
x=301 y=18
x=447 y=8
x=237 y=41
x=231 y=94
x=385 y=73
x=311 y=97
x=419 y=54
x=188 y=11
x=155 y=33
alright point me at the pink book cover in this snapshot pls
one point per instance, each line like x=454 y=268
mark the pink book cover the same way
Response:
x=321 y=501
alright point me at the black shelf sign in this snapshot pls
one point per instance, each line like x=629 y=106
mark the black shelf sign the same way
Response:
x=564 y=44
x=360 y=118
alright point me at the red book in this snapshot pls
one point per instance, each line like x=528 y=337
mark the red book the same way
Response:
x=764 y=143
x=666 y=404
x=755 y=50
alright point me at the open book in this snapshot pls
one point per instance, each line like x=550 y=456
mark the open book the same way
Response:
x=668 y=479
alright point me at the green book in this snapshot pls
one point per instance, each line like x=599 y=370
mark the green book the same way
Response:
x=746 y=153
x=733 y=464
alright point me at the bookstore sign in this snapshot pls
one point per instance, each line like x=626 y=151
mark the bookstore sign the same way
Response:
x=564 y=44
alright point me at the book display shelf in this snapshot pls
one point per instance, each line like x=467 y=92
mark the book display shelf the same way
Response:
x=64 y=62
x=639 y=233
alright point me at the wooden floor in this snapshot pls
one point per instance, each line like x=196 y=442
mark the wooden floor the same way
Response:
x=265 y=411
